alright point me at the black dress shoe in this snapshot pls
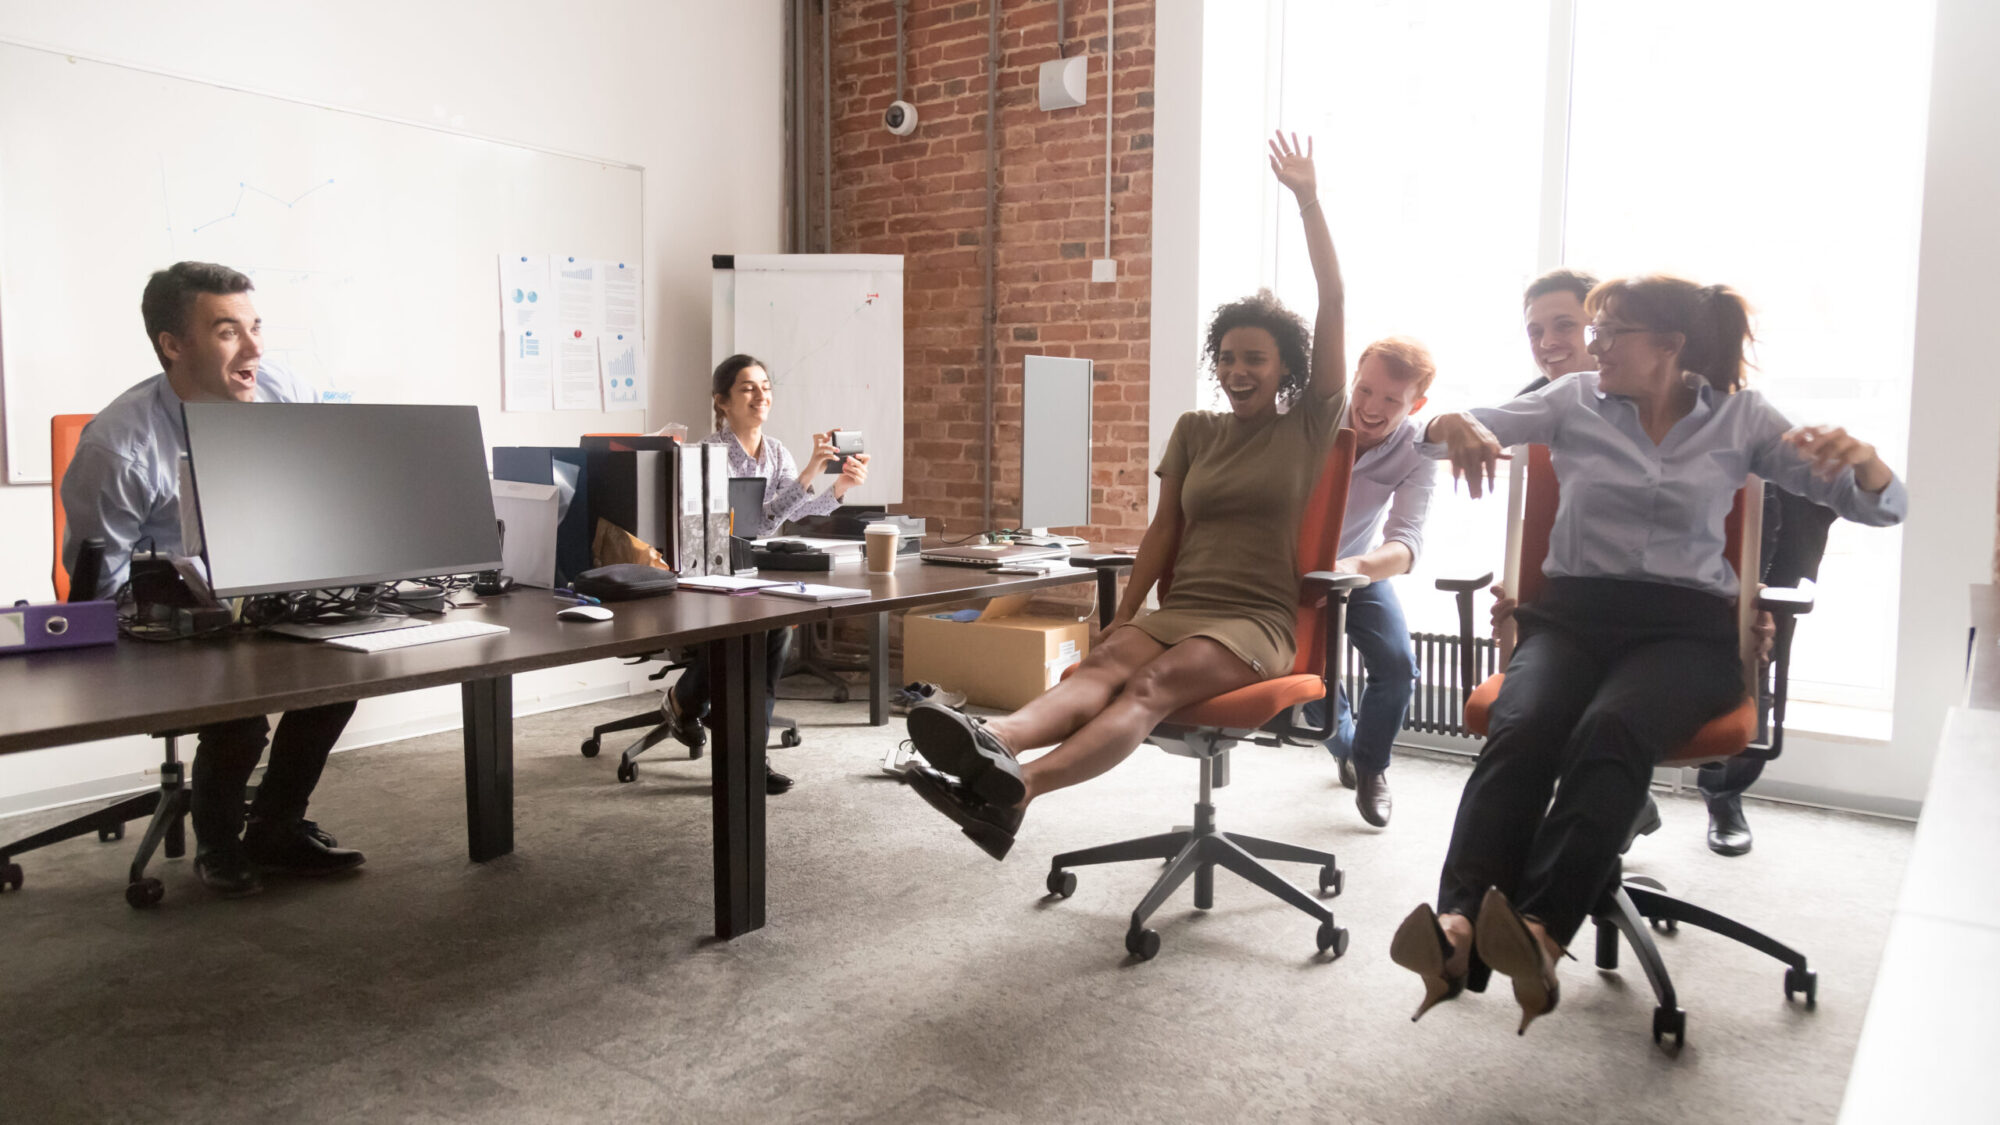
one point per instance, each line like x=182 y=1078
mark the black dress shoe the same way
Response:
x=1645 y=824
x=685 y=728
x=1728 y=832
x=287 y=847
x=1371 y=796
x=775 y=782
x=1348 y=779
x=961 y=746
x=224 y=869
x=990 y=826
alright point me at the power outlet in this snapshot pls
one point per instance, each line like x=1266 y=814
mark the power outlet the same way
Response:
x=1104 y=270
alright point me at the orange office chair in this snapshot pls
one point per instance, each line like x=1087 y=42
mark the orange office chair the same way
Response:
x=168 y=804
x=1263 y=713
x=64 y=432
x=1632 y=903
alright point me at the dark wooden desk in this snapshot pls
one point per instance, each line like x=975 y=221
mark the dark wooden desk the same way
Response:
x=69 y=696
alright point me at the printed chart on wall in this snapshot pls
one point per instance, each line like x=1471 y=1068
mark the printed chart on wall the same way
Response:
x=372 y=245
x=573 y=333
x=831 y=328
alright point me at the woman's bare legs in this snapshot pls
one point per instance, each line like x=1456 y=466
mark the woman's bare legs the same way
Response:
x=1189 y=672
x=1063 y=709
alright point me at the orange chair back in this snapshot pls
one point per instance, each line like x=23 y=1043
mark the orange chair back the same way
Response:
x=65 y=430
x=1319 y=547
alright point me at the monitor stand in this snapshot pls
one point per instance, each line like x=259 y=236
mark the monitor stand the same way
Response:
x=351 y=627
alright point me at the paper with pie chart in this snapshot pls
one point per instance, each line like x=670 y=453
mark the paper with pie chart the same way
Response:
x=527 y=320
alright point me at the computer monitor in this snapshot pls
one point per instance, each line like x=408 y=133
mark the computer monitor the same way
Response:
x=305 y=496
x=746 y=507
x=1055 y=442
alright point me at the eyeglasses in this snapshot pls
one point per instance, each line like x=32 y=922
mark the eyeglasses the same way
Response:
x=1607 y=334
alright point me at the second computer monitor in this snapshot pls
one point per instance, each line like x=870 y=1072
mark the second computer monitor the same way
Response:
x=1055 y=442
x=304 y=496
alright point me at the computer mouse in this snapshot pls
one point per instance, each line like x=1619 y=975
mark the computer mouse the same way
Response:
x=583 y=613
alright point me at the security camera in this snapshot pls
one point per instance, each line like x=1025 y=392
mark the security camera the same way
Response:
x=901 y=118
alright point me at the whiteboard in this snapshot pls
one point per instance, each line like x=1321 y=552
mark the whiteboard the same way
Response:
x=831 y=328
x=372 y=243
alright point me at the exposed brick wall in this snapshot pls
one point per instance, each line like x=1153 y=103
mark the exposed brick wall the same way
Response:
x=923 y=196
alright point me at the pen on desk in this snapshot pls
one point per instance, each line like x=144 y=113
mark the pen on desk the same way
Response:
x=575 y=598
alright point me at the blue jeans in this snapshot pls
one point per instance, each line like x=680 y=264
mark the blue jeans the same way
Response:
x=1375 y=624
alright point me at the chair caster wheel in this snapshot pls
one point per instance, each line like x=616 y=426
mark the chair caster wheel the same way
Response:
x=1665 y=925
x=590 y=748
x=1803 y=981
x=145 y=893
x=107 y=835
x=694 y=752
x=1332 y=939
x=789 y=738
x=1143 y=944
x=1062 y=884
x=1670 y=1021
x=11 y=877
x=1332 y=880
x=628 y=771
x=840 y=694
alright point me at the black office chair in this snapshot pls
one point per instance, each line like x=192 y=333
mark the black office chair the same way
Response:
x=658 y=728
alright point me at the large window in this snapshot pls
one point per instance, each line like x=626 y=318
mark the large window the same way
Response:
x=1465 y=146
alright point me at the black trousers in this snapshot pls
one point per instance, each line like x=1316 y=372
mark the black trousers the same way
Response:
x=226 y=755
x=1721 y=780
x=691 y=690
x=1608 y=678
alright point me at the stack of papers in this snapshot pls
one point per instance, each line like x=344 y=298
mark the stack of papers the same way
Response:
x=727 y=584
x=806 y=591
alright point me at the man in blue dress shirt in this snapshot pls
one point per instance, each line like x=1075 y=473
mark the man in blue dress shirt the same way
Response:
x=1389 y=489
x=123 y=487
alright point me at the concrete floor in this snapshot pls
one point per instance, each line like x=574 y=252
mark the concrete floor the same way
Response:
x=903 y=976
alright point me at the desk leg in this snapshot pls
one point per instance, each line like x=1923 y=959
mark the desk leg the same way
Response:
x=736 y=703
x=489 y=766
x=878 y=669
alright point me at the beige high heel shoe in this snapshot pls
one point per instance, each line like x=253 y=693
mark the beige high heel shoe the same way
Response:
x=1506 y=943
x=1420 y=945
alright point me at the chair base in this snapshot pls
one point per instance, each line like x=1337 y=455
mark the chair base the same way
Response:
x=1197 y=852
x=658 y=731
x=167 y=806
x=1636 y=907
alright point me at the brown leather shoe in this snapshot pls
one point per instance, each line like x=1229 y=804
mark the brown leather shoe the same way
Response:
x=1371 y=796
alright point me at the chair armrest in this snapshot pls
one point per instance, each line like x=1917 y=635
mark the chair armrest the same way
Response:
x=1787 y=599
x=1466 y=585
x=1328 y=581
x=1102 y=562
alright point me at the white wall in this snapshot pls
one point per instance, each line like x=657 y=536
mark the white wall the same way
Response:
x=641 y=81
x=1954 y=420
x=1949 y=539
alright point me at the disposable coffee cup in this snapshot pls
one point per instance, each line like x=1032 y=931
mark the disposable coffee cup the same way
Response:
x=882 y=540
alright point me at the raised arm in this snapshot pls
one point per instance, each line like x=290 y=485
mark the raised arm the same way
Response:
x=1293 y=166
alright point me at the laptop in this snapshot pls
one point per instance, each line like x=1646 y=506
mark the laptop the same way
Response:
x=990 y=554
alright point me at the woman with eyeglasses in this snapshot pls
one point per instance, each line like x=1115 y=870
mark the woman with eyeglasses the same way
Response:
x=1632 y=646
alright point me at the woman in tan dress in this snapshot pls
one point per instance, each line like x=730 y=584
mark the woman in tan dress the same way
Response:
x=1233 y=485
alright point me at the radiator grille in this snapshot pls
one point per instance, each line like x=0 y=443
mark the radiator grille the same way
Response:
x=1438 y=705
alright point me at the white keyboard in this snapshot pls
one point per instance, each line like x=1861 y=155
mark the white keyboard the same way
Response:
x=421 y=635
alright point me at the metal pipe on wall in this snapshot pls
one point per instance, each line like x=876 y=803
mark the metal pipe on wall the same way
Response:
x=991 y=314
x=1110 y=56
x=826 y=121
x=902 y=9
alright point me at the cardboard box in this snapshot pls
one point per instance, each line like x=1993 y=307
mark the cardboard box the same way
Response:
x=1002 y=660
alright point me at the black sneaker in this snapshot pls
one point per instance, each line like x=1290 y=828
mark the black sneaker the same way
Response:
x=991 y=826
x=287 y=847
x=224 y=869
x=961 y=746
